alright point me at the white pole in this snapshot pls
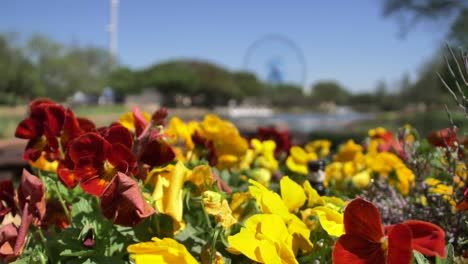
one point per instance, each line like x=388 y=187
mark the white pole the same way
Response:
x=112 y=28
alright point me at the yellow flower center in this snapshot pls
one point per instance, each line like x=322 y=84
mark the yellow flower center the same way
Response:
x=109 y=171
x=384 y=243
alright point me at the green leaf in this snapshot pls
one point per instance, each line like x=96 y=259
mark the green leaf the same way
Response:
x=80 y=253
x=419 y=258
x=450 y=253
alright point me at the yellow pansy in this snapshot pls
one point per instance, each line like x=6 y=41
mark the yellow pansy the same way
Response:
x=320 y=147
x=292 y=193
x=268 y=201
x=163 y=251
x=437 y=187
x=201 y=176
x=348 y=151
x=238 y=203
x=180 y=131
x=271 y=203
x=261 y=175
x=215 y=205
x=362 y=179
x=264 y=239
x=168 y=185
x=225 y=137
x=330 y=220
x=128 y=121
x=298 y=160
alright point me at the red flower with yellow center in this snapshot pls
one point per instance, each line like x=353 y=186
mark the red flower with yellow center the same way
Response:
x=93 y=160
x=366 y=240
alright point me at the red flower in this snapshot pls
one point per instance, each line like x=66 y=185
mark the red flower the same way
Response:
x=47 y=123
x=366 y=240
x=122 y=202
x=389 y=143
x=463 y=205
x=8 y=237
x=93 y=161
x=55 y=215
x=42 y=128
x=7 y=199
x=444 y=137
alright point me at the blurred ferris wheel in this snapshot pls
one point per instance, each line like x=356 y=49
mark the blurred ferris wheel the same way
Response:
x=276 y=59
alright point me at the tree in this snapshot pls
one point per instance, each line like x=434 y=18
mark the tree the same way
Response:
x=411 y=12
x=329 y=91
x=249 y=84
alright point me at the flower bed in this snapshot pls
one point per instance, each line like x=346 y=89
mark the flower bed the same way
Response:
x=148 y=190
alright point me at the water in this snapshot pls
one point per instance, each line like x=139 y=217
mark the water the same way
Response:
x=305 y=122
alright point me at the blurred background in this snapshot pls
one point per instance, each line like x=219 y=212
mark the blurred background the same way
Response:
x=328 y=69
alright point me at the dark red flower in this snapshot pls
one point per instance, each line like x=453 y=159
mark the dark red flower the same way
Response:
x=281 y=138
x=93 y=161
x=366 y=240
x=8 y=237
x=463 y=205
x=42 y=128
x=159 y=117
x=7 y=198
x=55 y=215
x=154 y=150
x=31 y=194
x=122 y=202
x=443 y=138
x=205 y=148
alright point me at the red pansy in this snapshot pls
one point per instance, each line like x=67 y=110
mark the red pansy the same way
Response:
x=122 y=202
x=366 y=240
x=93 y=161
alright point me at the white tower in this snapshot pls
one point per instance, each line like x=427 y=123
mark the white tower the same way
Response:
x=112 y=28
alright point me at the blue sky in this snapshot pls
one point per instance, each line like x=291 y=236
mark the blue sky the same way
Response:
x=348 y=41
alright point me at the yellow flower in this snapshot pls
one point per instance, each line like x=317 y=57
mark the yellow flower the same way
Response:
x=201 y=176
x=127 y=120
x=264 y=239
x=178 y=130
x=168 y=185
x=224 y=135
x=268 y=201
x=163 y=251
x=43 y=164
x=298 y=159
x=437 y=187
x=292 y=193
x=330 y=220
x=271 y=203
x=320 y=147
x=215 y=205
x=376 y=131
x=238 y=204
x=265 y=154
x=261 y=175
x=348 y=151
x=314 y=199
x=362 y=179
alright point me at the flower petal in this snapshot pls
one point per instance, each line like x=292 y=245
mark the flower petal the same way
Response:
x=399 y=245
x=362 y=219
x=357 y=250
x=292 y=193
x=122 y=202
x=429 y=239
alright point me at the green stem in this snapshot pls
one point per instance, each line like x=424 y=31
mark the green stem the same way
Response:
x=157 y=225
x=214 y=239
x=62 y=202
x=207 y=217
